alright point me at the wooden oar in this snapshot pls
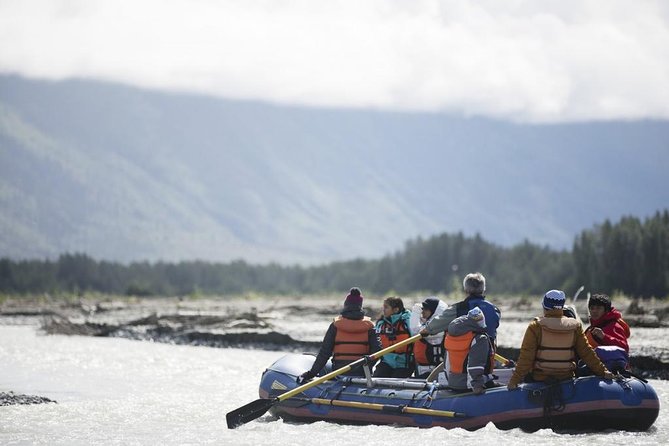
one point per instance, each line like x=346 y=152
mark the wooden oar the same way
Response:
x=386 y=407
x=257 y=408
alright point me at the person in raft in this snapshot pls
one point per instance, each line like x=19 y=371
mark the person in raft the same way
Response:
x=474 y=286
x=429 y=351
x=608 y=333
x=550 y=346
x=393 y=327
x=469 y=353
x=349 y=337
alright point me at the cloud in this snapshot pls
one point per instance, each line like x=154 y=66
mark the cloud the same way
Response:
x=546 y=61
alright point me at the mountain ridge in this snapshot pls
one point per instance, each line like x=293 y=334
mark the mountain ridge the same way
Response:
x=128 y=174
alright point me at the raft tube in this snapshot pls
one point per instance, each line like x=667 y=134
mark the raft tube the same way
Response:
x=583 y=404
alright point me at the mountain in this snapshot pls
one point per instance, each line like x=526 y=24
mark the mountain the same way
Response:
x=124 y=174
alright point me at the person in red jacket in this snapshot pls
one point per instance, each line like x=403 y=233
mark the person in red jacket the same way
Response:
x=607 y=334
x=607 y=326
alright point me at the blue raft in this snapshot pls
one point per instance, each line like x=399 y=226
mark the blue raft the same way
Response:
x=583 y=404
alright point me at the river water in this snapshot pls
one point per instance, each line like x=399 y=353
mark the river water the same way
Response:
x=118 y=391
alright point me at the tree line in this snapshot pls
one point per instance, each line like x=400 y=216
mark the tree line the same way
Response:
x=630 y=256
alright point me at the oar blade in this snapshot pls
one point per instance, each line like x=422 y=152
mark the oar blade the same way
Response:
x=249 y=412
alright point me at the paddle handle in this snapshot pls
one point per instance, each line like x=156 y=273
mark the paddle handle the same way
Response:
x=355 y=364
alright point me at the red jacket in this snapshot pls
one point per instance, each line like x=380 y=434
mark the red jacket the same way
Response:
x=616 y=331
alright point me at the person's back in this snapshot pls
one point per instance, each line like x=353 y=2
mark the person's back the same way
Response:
x=352 y=337
x=349 y=337
x=551 y=345
x=469 y=352
x=474 y=285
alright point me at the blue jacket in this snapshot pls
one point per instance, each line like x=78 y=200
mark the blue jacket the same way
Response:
x=490 y=311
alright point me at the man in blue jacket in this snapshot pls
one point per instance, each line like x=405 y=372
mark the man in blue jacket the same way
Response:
x=474 y=286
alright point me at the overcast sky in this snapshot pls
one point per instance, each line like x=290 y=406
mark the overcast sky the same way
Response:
x=548 y=61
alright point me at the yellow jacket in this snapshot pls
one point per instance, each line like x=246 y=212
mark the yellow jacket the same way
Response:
x=531 y=343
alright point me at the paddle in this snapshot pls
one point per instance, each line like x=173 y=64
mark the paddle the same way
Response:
x=257 y=408
x=573 y=299
x=385 y=407
x=439 y=368
x=502 y=359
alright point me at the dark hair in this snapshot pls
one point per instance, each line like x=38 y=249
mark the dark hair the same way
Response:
x=355 y=291
x=602 y=300
x=569 y=312
x=394 y=302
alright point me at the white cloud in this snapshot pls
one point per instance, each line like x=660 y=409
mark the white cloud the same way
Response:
x=521 y=60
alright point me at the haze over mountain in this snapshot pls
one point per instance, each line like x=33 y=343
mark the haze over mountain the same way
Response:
x=127 y=174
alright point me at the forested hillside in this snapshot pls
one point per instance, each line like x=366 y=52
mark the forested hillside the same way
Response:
x=631 y=256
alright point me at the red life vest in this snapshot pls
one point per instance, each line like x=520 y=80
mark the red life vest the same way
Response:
x=391 y=334
x=426 y=353
x=352 y=338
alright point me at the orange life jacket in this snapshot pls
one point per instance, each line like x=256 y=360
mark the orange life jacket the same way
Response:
x=391 y=334
x=458 y=352
x=426 y=353
x=352 y=338
x=556 y=350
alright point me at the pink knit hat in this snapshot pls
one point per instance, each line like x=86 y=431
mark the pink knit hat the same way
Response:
x=354 y=298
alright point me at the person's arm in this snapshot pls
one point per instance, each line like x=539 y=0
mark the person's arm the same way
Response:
x=615 y=335
x=460 y=325
x=325 y=351
x=374 y=341
x=440 y=323
x=528 y=352
x=499 y=317
x=588 y=355
x=374 y=344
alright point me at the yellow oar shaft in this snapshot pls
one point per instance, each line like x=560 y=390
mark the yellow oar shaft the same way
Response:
x=387 y=408
x=345 y=369
x=501 y=359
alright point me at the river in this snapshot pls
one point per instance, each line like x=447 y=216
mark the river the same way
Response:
x=118 y=391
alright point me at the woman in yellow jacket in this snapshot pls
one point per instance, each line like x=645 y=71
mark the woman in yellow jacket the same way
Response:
x=551 y=345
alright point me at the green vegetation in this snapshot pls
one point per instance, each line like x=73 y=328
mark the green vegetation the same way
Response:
x=630 y=257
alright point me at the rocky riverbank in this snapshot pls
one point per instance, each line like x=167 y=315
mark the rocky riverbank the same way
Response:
x=11 y=399
x=269 y=324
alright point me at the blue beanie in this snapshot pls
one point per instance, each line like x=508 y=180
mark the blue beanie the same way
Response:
x=554 y=300
x=477 y=315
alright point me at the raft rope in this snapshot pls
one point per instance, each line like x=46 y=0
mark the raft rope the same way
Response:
x=551 y=397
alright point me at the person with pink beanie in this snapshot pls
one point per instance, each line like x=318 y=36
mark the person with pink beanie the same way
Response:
x=349 y=337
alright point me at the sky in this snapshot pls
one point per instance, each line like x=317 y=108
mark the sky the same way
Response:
x=522 y=61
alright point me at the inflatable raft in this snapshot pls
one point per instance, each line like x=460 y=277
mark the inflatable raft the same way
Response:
x=583 y=404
